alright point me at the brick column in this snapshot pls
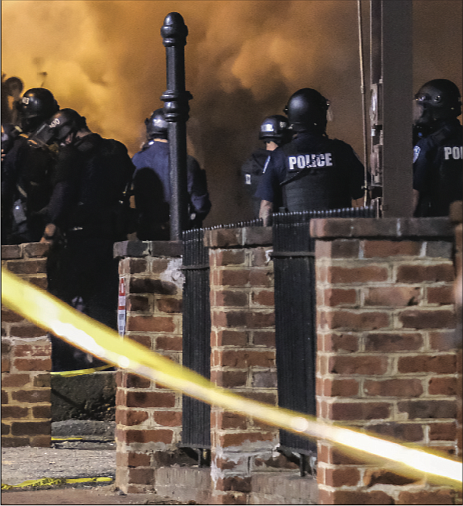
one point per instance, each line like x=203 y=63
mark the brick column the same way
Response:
x=26 y=358
x=242 y=356
x=148 y=416
x=386 y=357
x=456 y=216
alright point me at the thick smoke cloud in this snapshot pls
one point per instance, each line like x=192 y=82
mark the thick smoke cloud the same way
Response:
x=243 y=60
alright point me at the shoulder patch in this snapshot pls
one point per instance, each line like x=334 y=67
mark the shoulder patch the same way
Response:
x=416 y=153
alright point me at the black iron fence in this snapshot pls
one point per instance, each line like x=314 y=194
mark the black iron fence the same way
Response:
x=196 y=333
x=295 y=317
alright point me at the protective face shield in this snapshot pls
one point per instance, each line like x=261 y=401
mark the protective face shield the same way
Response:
x=437 y=99
x=64 y=123
x=307 y=110
x=156 y=125
x=275 y=128
x=35 y=107
x=42 y=137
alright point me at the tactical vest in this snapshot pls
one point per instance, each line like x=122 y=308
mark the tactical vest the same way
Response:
x=447 y=184
x=314 y=180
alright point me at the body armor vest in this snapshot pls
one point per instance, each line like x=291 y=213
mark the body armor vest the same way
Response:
x=446 y=185
x=314 y=180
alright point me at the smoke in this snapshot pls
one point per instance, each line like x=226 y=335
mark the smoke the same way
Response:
x=243 y=60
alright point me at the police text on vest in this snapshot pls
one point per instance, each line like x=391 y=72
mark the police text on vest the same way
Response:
x=455 y=152
x=310 y=161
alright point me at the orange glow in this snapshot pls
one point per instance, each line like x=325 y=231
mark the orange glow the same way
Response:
x=243 y=60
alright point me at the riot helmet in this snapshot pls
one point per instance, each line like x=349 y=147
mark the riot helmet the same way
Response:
x=35 y=107
x=156 y=125
x=275 y=128
x=65 y=122
x=436 y=100
x=307 y=110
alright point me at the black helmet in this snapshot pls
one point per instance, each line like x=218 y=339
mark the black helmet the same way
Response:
x=156 y=125
x=65 y=122
x=35 y=107
x=275 y=128
x=437 y=99
x=307 y=110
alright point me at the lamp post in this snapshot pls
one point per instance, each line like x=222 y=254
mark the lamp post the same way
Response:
x=174 y=33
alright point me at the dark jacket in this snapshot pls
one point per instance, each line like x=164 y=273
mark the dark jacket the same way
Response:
x=91 y=177
x=438 y=169
x=27 y=174
x=313 y=172
x=152 y=191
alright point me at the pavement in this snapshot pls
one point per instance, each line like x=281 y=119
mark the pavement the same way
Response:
x=79 y=468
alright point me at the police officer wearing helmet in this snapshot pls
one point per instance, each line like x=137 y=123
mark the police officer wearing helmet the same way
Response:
x=151 y=184
x=275 y=132
x=312 y=172
x=92 y=177
x=437 y=154
x=27 y=171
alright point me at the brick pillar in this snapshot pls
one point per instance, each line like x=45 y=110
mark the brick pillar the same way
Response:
x=456 y=216
x=26 y=358
x=148 y=416
x=386 y=357
x=242 y=356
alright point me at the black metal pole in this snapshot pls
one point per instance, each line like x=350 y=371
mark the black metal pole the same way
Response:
x=174 y=33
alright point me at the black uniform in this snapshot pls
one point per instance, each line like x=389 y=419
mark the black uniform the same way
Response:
x=313 y=172
x=91 y=178
x=26 y=189
x=251 y=171
x=151 y=186
x=438 y=169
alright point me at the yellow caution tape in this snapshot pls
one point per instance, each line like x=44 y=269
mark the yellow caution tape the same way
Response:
x=79 y=372
x=99 y=439
x=48 y=482
x=93 y=337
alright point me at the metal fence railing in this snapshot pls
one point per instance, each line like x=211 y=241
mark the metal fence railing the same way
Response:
x=295 y=317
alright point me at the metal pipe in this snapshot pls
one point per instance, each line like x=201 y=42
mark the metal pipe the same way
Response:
x=174 y=33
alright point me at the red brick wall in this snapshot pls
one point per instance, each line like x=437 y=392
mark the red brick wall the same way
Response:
x=148 y=416
x=386 y=358
x=242 y=357
x=26 y=358
x=456 y=216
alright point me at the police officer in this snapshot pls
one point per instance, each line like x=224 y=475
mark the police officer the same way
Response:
x=151 y=184
x=27 y=171
x=275 y=132
x=312 y=172
x=92 y=175
x=437 y=155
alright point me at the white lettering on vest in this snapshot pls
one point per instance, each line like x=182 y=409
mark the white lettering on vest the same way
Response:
x=455 y=152
x=310 y=161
